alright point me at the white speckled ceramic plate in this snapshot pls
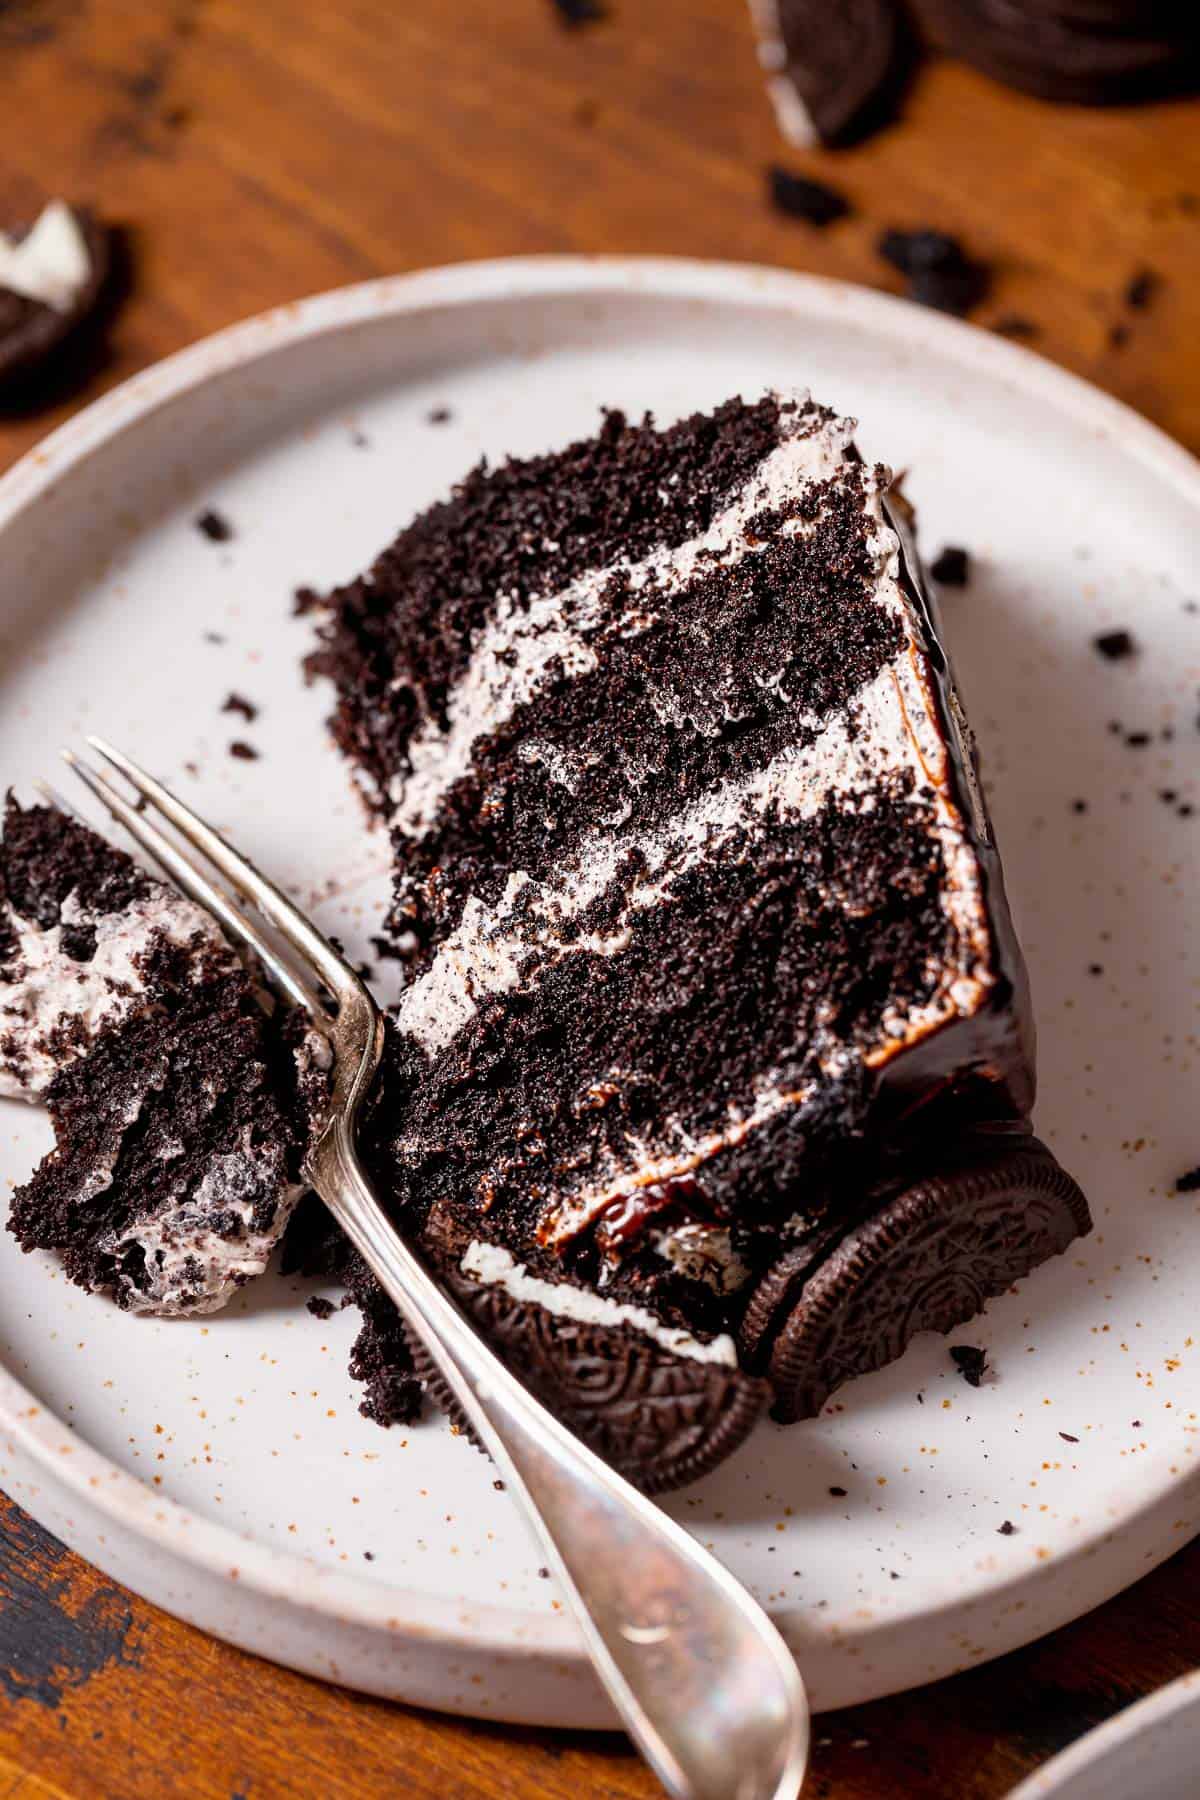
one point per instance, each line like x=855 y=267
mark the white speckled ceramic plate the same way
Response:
x=221 y=1468
x=1151 y=1750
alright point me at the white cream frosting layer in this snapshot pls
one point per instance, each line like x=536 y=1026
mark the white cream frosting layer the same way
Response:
x=44 y=991
x=50 y=263
x=494 y=1266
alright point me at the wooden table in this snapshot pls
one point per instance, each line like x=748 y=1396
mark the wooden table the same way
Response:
x=259 y=152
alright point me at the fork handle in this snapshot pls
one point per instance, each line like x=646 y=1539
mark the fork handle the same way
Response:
x=705 y=1685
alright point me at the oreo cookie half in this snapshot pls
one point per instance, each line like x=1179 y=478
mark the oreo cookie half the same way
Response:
x=927 y=1260
x=32 y=330
x=831 y=69
x=660 y=1419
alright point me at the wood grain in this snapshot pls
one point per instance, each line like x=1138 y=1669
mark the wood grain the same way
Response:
x=257 y=153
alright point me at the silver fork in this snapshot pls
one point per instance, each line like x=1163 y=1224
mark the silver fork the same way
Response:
x=705 y=1685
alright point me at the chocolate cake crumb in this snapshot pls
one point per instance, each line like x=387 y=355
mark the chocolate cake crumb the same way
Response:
x=971 y=1363
x=1168 y=796
x=1008 y=1529
x=801 y=198
x=938 y=270
x=320 y=1308
x=440 y=415
x=304 y=601
x=1067 y=1438
x=1135 y=1424
x=368 y=1556
x=952 y=568
x=243 y=751
x=1079 y=806
x=839 y=1493
x=1095 y=968
x=543 y=1574
x=214 y=526
x=1141 y=289
x=498 y=1485
x=1137 y=740
x=1016 y=325
x=1189 y=1183
x=237 y=703
x=580 y=12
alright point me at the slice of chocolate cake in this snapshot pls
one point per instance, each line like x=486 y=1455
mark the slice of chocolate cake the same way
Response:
x=180 y=1107
x=711 y=969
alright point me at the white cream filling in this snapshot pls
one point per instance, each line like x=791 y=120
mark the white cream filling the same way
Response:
x=512 y=661
x=50 y=263
x=791 y=115
x=494 y=1266
x=44 y=991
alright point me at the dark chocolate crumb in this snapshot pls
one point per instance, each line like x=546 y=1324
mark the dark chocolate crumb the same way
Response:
x=580 y=12
x=440 y=415
x=1137 y=740
x=971 y=1363
x=192 y=768
x=1118 y=336
x=320 y=1308
x=1168 y=796
x=1141 y=289
x=952 y=568
x=243 y=751
x=1114 y=646
x=1015 y=325
x=544 y=1574
x=1008 y=1529
x=1189 y=1183
x=894 y=1575
x=1186 y=810
x=1095 y=968
x=1067 y=1437
x=368 y=1556
x=839 y=1493
x=304 y=601
x=498 y=1485
x=237 y=703
x=937 y=268
x=214 y=526
x=213 y=637
x=1135 y=1424
x=1115 y=726
x=798 y=197
x=1079 y=806
x=920 y=1399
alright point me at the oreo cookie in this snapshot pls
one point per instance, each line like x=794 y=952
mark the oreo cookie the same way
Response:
x=33 y=330
x=662 y=1420
x=928 y=1258
x=832 y=71
x=1090 y=52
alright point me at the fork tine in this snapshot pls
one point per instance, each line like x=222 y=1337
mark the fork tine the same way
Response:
x=242 y=875
x=194 y=883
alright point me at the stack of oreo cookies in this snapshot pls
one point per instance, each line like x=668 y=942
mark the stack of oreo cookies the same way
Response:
x=1090 y=52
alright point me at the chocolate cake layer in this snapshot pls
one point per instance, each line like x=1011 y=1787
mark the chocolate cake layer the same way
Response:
x=180 y=1106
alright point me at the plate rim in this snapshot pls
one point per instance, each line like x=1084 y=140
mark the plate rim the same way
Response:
x=50 y=1445
x=1129 y=1723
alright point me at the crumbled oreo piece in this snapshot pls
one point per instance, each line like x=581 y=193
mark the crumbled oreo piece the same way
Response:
x=801 y=198
x=839 y=1493
x=1141 y=289
x=237 y=703
x=37 y=339
x=938 y=270
x=1137 y=740
x=1008 y=1529
x=580 y=12
x=952 y=567
x=320 y=1308
x=1114 y=646
x=971 y=1363
x=1189 y=1183
x=214 y=526
x=304 y=601
x=834 y=73
x=1068 y=1438
x=243 y=751
x=1079 y=806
